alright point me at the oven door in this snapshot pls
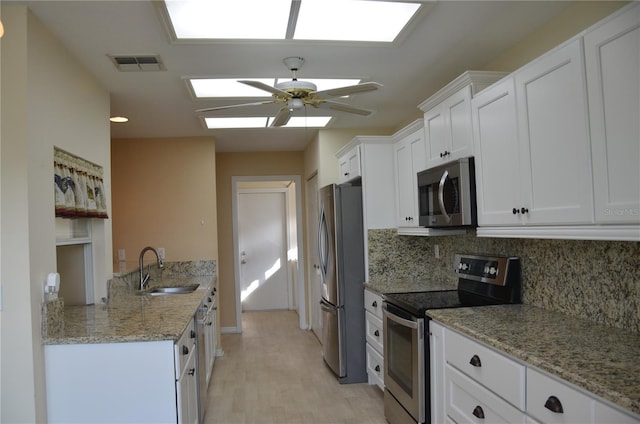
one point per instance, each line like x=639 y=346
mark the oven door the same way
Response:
x=404 y=361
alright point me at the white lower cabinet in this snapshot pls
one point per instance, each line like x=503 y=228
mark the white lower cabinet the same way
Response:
x=474 y=383
x=122 y=382
x=469 y=402
x=374 y=338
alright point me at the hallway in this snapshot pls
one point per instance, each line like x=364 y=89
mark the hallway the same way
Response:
x=274 y=373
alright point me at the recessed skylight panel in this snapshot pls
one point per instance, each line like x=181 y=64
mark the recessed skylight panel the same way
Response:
x=331 y=20
x=227 y=87
x=246 y=19
x=236 y=122
x=352 y=20
x=306 y=121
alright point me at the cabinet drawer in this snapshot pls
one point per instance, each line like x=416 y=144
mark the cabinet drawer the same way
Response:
x=498 y=373
x=541 y=389
x=373 y=326
x=373 y=303
x=606 y=414
x=185 y=345
x=375 y=367
x=469 y=402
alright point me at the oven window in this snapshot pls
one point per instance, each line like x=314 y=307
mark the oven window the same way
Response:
x=400 y=352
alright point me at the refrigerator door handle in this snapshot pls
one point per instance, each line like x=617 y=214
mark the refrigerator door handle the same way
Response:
x=323 y=242
x=328 y=307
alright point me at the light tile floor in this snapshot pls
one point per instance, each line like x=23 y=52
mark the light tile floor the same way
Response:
x=274 y=373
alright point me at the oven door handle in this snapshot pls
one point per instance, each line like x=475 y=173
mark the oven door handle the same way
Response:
x=401 y=321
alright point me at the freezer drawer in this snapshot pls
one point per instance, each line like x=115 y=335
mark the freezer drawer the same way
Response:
x=331 y=339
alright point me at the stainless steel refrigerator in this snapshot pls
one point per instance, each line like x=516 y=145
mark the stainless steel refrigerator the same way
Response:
x=341 y=257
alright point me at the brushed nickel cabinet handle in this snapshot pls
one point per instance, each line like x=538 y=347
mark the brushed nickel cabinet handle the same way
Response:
x=475 y=361
x=553 y=404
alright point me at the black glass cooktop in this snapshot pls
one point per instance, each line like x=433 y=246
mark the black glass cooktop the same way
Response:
x=417 y=303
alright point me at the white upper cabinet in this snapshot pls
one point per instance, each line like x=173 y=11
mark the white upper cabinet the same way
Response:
x=447 y=117
x=612 y=53
x=496 y=151
x=409 y=159
x=448 y=129
x=554 y=154
x=533 y=162
x=349 y=165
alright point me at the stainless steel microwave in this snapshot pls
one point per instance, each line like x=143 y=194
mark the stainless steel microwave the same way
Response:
x=447 y=195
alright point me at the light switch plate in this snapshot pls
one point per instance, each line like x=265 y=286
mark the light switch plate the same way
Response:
x=161 y=252
x=121 y=255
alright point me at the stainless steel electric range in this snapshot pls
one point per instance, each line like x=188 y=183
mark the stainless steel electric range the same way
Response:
x=482 y=280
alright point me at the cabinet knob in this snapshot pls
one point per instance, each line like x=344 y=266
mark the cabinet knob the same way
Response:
x=515 y=211
x=346 y=174
x=377 y=368
x=374 y=304
x=445 y=153
x=478 y=412
x=524 y=210
x=192 y=334
x=553 y=404
x=185 y=350
x=192 y=371
x=475 y=361
x=376 y=333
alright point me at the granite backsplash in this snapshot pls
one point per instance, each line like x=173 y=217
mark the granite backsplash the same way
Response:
x=594 y=280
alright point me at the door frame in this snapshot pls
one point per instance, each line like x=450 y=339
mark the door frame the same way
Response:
x=300 y=271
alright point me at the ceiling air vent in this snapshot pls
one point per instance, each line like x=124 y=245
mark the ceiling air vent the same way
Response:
x=138 y=63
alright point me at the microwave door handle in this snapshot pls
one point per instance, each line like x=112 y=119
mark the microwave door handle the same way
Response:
x=445 y=175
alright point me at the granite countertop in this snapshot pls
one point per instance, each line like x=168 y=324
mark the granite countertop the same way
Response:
x=132 y=317
x=602 y=360
x=404 y=286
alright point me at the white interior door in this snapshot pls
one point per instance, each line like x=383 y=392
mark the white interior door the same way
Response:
x=262 y=237
x=315 y=280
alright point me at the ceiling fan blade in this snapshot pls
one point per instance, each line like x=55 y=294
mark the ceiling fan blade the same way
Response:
x=343 y=107
x=350 y=89
x=210 y=109
x=262 y=86
x=281 y=118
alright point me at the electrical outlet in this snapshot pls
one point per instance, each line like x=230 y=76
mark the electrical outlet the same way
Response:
x=436 y=251
x=121 y=255
x=161 y=252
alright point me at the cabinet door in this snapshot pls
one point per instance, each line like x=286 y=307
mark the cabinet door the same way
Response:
x=448 y=129
x=459 y=113
x=612 y=53
x=437 y=366
x=555 y=155
x=349 y=165
x=436 y=135
x=187 y=393
x=496 y=151
x=410 y=158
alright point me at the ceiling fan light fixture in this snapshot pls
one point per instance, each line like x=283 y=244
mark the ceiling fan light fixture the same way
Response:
x=295 y=104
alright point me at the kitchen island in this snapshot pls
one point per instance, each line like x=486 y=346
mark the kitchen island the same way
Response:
x=132 y=359
x=593 y=358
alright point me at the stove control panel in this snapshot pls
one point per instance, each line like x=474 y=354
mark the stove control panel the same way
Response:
x=488 y=269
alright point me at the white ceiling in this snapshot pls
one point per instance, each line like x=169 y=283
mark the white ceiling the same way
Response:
x=446 y=39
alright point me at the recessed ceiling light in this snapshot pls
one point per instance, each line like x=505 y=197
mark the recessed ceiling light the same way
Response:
x=119 y=119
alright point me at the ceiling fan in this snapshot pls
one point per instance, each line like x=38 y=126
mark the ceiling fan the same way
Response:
x=295 y=95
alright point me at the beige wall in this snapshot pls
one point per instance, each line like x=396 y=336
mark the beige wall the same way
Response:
x=48 y=99
x=233 y=165
x=572 y=21
x=164 y=195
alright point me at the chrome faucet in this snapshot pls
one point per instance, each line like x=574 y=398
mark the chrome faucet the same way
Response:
x=144 y=279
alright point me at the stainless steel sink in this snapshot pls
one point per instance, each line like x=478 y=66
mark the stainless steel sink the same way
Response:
x=156 y=291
